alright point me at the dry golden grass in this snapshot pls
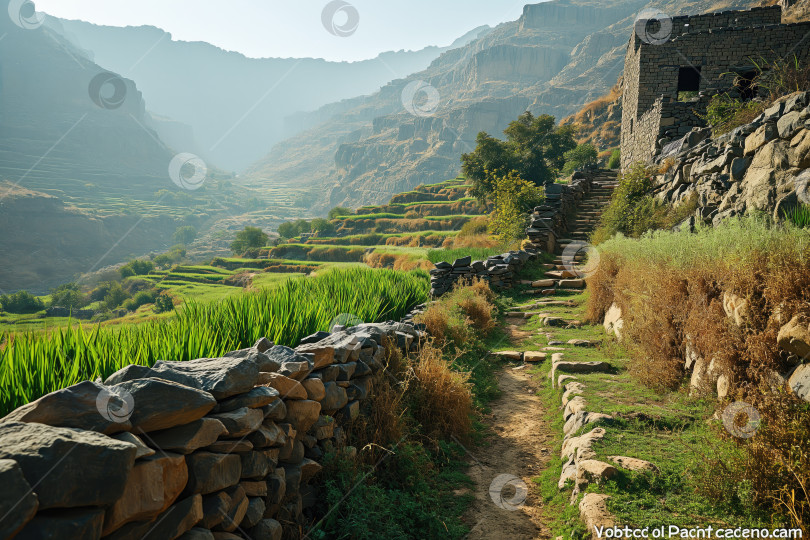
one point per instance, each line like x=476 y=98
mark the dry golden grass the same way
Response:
x=670 y=289
x=439 y=398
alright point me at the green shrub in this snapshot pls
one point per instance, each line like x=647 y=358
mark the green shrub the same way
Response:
x=21 y=302
x=115 y=296
x=68 y=296
x=725 y=113
x=163 y=303
x=579 y=157
x=339 y=211
x=630 y=205
x=513 y=198
x=137 y=267
x=615 y=160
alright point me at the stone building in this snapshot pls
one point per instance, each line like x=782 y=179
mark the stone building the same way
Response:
x=674 y=65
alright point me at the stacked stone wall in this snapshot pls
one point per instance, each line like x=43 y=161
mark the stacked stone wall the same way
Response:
x=217 y=448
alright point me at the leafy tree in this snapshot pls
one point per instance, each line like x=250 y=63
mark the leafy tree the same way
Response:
x=322 y=226
x=68 y=296
x=534 y=150
x=339 y=211
x=513 y=198
x=137 y=267
x=287 y=230
x=21 y=302
x=250 y=237
x=185 y=235
x=101 y=291
x=581 y=156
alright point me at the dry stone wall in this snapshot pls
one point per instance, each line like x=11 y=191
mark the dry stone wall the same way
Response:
x=214 y=448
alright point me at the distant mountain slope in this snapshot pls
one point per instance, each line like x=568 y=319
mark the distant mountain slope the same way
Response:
x=55 y=137
x=556 y=57
x=235 y=105
x=80 y=170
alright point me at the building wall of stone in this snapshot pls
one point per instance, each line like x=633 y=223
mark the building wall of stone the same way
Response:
x=719 y=44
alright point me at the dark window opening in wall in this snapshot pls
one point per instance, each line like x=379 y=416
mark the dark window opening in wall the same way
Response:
x=745 y=83
x=688 y=83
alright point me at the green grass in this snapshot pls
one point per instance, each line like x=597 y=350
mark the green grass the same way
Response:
x=34 y=364
x=450 y=255
x=734 y=240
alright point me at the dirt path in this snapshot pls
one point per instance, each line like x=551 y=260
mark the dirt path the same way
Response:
x=520 y=446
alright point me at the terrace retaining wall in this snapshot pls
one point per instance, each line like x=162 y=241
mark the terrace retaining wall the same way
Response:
x=221 y=448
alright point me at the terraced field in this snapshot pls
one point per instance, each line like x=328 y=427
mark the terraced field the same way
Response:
x=403 y=234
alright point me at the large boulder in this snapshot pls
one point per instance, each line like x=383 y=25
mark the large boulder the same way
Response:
x=794 y=337
x=70 y=468
x=799 y=382
x=18 y=503
x=221 y=377
x=613 y=321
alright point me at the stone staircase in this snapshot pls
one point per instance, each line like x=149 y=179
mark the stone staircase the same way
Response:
x=565 y=272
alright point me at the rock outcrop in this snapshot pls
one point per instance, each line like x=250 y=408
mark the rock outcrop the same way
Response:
x=756 y=167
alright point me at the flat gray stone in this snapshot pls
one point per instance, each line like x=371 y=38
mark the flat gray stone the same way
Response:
x=190 y=437
x=221 y=377
x=241 y=421
x=254 y=399
x=160 y=404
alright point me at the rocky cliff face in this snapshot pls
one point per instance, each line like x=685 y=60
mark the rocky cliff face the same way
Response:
x=556 y=57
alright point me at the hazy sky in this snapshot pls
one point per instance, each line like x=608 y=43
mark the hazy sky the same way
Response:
x=295 y=28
